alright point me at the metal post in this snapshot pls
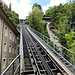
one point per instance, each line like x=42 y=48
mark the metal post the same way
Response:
x=54 y=46
x=47 y=40
x=13 y=69
x=72 y=58
x=19 y=66
x=43 y=37
x=61 y=52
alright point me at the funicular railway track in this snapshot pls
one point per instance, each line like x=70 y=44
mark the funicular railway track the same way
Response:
x=37 y=60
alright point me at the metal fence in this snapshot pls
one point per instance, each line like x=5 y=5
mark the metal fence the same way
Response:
x=13 y=68
x=66 y=53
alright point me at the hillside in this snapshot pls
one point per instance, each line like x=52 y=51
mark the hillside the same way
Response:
x=13 y=15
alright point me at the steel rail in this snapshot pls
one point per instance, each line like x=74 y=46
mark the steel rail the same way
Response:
x=45 y=63
x=42 y=59
x=32 y=52
x=25 y=41
x=69 y=68
x=61 y=49
x=48 y=69
x=21 y=52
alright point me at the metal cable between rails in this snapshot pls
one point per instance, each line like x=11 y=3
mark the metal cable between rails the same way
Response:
x=27 y=42
x=45 y=64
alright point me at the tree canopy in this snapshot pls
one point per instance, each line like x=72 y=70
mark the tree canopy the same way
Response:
x=63 y=18
x=37 y=6
x=12 y=14
x=35 y=19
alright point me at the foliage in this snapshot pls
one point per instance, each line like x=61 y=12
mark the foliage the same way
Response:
x=71 y=40
x=14 y=17
x=63 y=18
x=36 y=22
x=5 y=8
x=62 y=28
x=12 y=14
x=37 y=6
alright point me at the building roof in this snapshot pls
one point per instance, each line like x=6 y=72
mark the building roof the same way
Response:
x=8 y=21
x=46 y=18
x=22 y=19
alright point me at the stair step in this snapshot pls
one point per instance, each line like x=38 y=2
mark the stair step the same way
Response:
x=28 y=68
x=29 y=72
x=28 y=64
x=42 y=71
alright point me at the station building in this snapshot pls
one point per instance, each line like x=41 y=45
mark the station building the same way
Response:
x=47 y=19
x=22 y=21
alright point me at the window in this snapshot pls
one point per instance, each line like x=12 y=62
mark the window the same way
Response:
x=15 y=39
x=6 y=31
x=9 y=49
x=4 y=63
x=5 y=46
x=15 y=50
x=12 y=49
x=21 y=22
x=10 y=60
x=11 y=35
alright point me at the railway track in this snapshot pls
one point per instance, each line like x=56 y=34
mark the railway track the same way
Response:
x=36 y=59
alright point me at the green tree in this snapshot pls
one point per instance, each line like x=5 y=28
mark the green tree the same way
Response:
x=63 y=18
x=71 y=40
x=36 y=22
x=5 y=8
x=12 y=14
x=35 y=18
x=62 y=28
x=37 y=6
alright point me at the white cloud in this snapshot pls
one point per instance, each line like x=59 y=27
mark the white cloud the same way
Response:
x=52 y=3
x=22 y=8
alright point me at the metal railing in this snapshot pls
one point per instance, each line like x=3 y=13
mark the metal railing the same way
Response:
x=13 y=68
x=21 y=52
x=66 y=53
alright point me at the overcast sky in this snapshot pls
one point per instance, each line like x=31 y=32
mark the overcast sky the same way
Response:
x=23 y=7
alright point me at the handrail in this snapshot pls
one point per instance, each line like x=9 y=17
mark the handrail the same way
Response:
x=21 y=52
x=68 y=50
x=70 y=56
x=10 y=65
x=49 y=39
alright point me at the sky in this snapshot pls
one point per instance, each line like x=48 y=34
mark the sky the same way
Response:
x=23 y=7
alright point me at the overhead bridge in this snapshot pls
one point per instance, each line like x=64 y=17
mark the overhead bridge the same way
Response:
x=38 y=58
